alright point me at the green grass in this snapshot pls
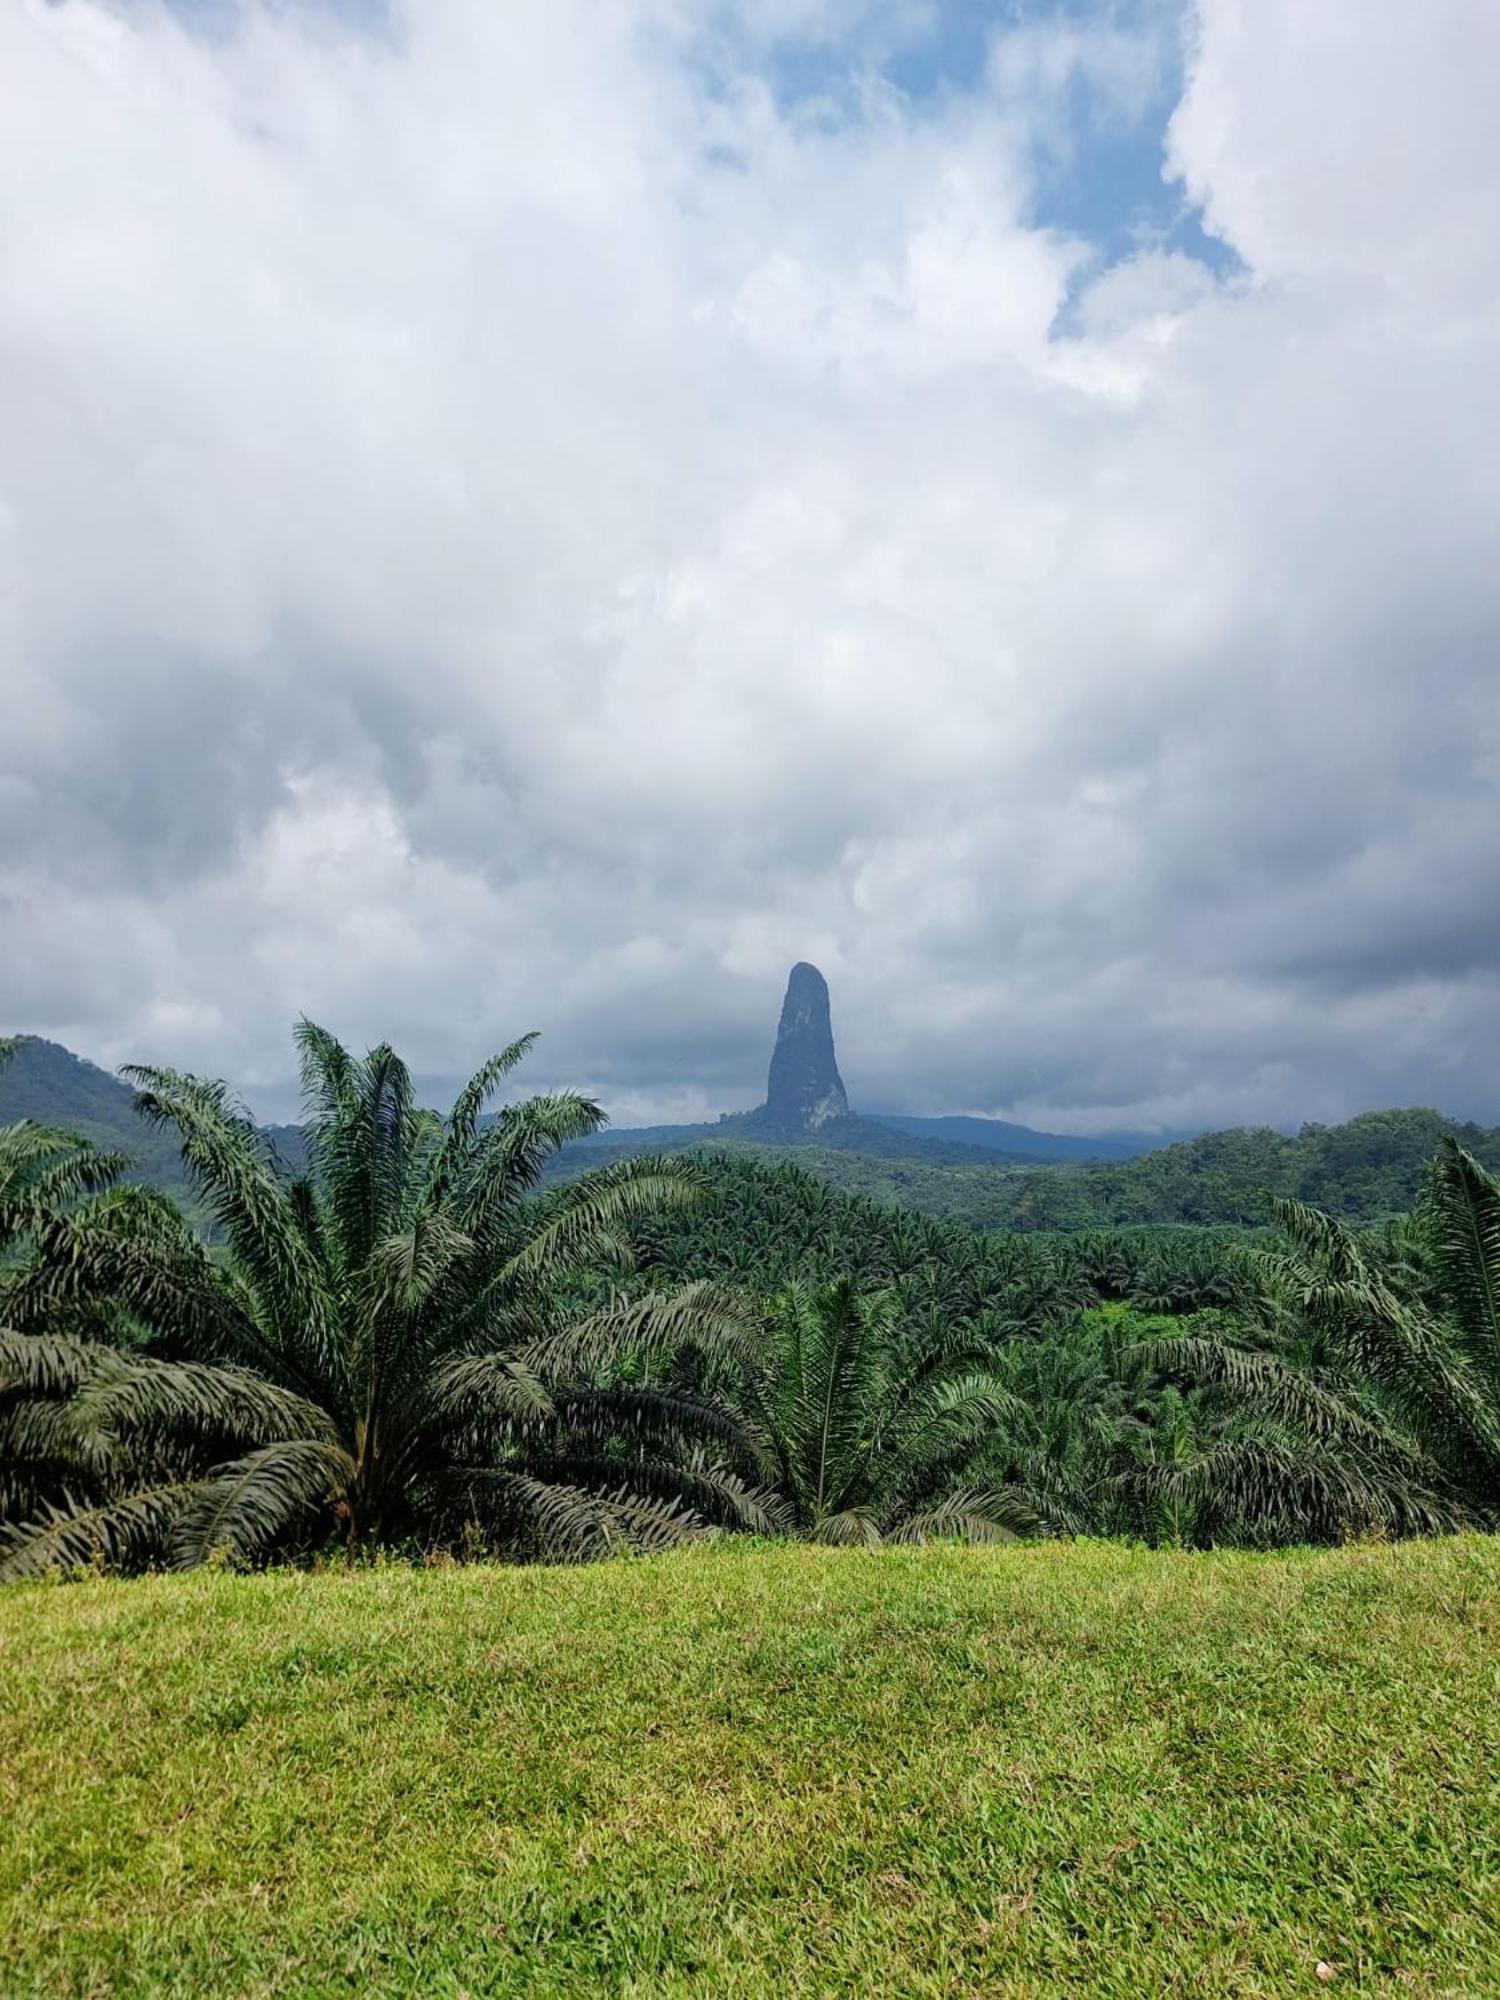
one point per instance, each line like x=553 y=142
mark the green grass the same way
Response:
x=1054 y=1770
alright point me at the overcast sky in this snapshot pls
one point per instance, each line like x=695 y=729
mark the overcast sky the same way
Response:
x=540 y=515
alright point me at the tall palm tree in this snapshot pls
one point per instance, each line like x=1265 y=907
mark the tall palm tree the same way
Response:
x=859 y=1443
x=384 y=1347
x=1372 y=1399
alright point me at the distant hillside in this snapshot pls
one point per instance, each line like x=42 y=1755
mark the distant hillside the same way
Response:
x=1021 y=1142
x=50 y=1085
x=949 y=1141
x=1368 y=1168
x=876 y=1138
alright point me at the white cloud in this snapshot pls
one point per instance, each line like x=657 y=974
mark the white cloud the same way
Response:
x=503 y=526
x=1348 y=142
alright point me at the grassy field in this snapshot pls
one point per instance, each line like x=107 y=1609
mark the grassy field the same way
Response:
x=1053 y=1770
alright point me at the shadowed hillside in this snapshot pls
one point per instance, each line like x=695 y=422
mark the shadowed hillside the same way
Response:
x=51 y=1086
x=48 y=1084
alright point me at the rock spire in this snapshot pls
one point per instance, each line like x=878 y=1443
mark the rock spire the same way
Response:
x=804 y=1089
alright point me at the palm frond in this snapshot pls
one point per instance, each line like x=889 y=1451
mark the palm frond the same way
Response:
x=1321 y=1239
x=953 y=1412
x=507 y=1160
x=716 y=1493
x=404 y=1270
x=592 y=1214
x=246 y=1507
x=309 y=1218
x=1265 y=1382
x=225 y=1153
x=51 y=1364
x=146 y=1397
x=126 y=1532
x=361 y=1126
x=1441 y=1395
x=644 y=1417
x=709 y=1317
x=1462 y=1214
x=475 y=1387
x=48 y=1448
x=847 y=1528
x=558 y=1522
x=972 y=1514
x=1271 y=1487
x=133 y=1246
x=42 y=1170
x=462 y=1127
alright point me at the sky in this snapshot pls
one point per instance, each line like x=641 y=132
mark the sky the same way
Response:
x=541 y=516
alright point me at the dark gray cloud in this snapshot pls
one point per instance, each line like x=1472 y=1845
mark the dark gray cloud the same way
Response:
x=509 y=523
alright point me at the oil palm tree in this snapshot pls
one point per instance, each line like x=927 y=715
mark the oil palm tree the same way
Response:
x=1071 y=1426
x=858 y=1442
x=42 y=1173
x=1371 y=1401
x=383 y=1347
x=42 y=1170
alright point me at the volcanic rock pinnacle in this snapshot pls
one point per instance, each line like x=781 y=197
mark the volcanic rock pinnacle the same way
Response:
x=804 y=1089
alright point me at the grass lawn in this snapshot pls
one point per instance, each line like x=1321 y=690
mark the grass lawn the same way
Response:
x=1055 y=1770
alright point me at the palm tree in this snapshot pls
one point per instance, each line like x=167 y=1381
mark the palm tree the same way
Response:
x=1071 y=1426
x=384 y=1347
x=1371 y=1401
x=42 y=1173
x=859 y=1443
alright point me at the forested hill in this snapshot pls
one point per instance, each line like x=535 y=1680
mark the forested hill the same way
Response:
x=1365 y=1169
x=1023 y=1142
x=48 y=1084
x=953 y=1142
x=1370 y=1167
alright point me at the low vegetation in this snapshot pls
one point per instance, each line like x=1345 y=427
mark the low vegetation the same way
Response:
x=1373 y=1388
x=859 y=1441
